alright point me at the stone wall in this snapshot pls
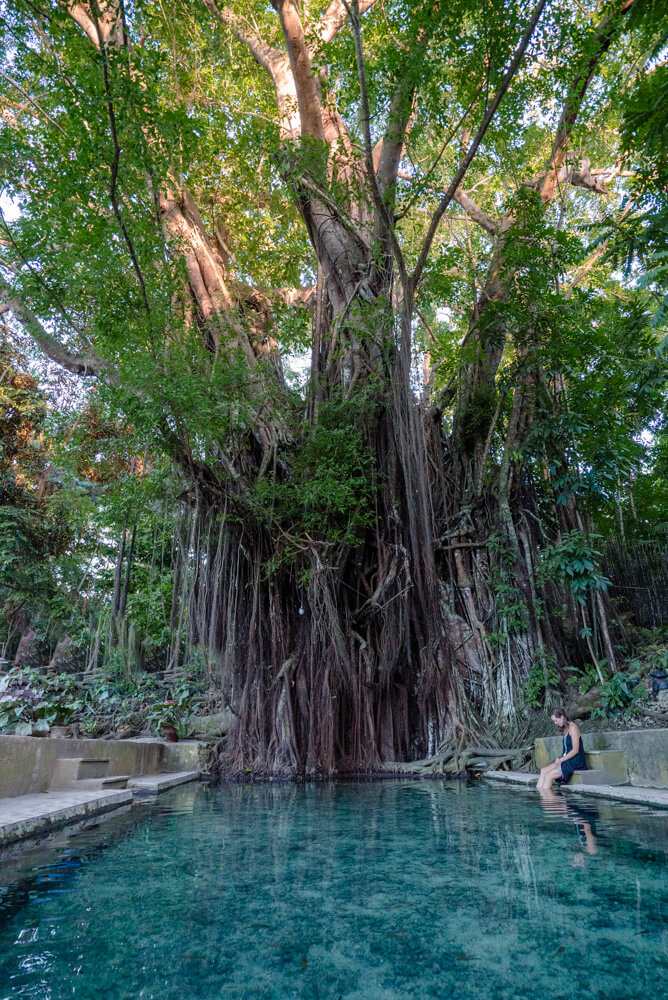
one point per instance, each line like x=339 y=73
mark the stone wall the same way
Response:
x=26 y=762
x=645 y=750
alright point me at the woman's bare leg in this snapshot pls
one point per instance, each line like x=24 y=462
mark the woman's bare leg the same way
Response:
x=541 y=777
x=551 y=774
x=589 y=838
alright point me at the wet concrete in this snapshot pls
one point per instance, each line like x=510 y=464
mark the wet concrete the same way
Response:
x=24 y=816
x=27 y=816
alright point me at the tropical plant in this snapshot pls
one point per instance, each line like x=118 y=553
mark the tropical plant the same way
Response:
x=543 y=678
x=586 y=676
x=617 y=696
x=174 y=711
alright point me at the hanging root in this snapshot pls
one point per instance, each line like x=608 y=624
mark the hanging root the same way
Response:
x=352 y=656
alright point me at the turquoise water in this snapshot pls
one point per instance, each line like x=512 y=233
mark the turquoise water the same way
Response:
x=360 y=891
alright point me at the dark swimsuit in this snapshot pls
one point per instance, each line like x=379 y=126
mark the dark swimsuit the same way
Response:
x=577 y=763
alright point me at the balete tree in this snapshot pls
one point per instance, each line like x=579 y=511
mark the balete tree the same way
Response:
x=346 y=264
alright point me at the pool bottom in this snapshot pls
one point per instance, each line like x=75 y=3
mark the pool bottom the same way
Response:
x=371 y=890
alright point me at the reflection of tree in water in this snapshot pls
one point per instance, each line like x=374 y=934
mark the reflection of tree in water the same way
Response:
x=412 y=881
x=501 y=845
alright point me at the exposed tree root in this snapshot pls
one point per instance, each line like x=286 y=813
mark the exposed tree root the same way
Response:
x=469 y=759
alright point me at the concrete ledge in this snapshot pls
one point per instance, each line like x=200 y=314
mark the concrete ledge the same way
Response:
x=23 y=816
x=644 y=752
x=28 y=764
x=512 y=777
x=26 y=816
x=656 y=797
x=185 y=755
x=153 y=784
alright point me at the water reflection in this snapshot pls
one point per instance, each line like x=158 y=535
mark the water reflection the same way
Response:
x=583 y=818
x=364 y=892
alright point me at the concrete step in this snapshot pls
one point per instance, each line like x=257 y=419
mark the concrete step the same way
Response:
x=596 y=776
x=513 y=777
x=153 y=784
x=611 y=761
x=112 y=781
x=68 y=770
x=93 y=767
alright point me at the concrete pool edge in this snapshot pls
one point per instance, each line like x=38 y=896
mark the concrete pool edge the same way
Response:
x=644 y=796
x=25 y=817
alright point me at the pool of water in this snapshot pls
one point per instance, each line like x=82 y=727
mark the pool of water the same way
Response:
x=359 y=891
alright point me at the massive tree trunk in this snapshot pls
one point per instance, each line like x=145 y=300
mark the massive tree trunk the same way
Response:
x=353 y=663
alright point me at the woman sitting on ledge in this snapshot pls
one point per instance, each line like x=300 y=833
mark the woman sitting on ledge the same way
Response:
x=573 y=755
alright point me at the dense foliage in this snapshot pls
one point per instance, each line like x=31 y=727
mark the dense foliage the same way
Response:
x=364 y=307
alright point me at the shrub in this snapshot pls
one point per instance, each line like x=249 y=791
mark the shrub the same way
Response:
x=542 y=677
x=617 y=696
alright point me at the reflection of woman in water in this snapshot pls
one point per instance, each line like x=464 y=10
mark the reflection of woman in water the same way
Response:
x=572 y=757
x=585 y=824
x=584 y=819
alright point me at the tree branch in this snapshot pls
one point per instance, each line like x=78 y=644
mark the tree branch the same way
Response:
x=34 y=103
x=381 y=207
x=472 y=210
x=80 y=15
x=104 y=27
x=264 y=54
x=583 y=178
x=335 y=17
x=479 y=136
x=308 y=91
x=605 y=33
x=274 y=61
x=88 y=364
x=293 y=296
x=476 y=213
x=395 y=134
